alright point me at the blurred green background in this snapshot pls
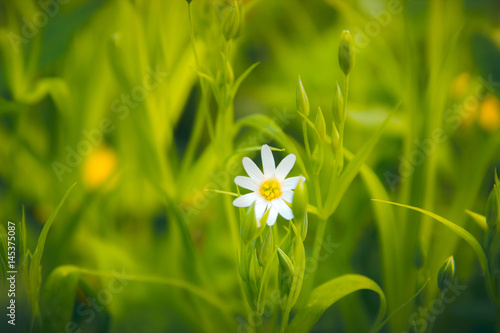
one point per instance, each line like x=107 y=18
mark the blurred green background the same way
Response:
x=107 y=94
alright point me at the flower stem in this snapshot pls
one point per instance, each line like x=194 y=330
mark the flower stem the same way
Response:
x=210 y=125
x=284 y=320
x=306 y=138
x=340 y=154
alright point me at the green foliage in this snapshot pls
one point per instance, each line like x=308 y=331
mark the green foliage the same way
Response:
x=151 y=105
x=330 y=292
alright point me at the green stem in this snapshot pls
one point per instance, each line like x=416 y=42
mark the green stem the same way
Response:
x=340 y=154
x=284 y=320
x=210 y=125
x=306 y=138
x=431 y=324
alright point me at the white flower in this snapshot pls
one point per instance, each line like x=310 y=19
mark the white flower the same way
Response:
x=270 y=190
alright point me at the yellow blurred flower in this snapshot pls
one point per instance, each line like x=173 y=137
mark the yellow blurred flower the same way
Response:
x=489 y=115
x=99 y=166
x=460 y=85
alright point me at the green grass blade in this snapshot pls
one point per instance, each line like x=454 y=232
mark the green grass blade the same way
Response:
x=478 y=218
x=330 y=292
x=43 y=235
x=464 y=234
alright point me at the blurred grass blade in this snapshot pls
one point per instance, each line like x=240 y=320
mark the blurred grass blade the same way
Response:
x=464 y=234
x=63 y=282
x=242 y=77
x=37 y=255
x=330 y=292
x=58 y=298
x=389 y=234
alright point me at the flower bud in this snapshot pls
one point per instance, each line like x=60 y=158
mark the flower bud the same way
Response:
x=266 y=248
x=285 y=262
x=338 y=107
x=300 y=201
x=320 y=124
x=346 y=52
x=304 y=227
x=231 y=21
x=286 y=273
x=446 y=273
x=302 y=100
x=492 y=209
x=335 y=138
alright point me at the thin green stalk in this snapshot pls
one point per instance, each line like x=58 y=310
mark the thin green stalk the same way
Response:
x=340 y=154
x=306 y=138
x=210 y=125
x=431 y=324
x=284 y=320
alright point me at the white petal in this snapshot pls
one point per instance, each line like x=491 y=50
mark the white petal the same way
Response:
x=273 y=215
x=268 y=161
x=252 y=169
x=245 y=200
x=260 y=208
x=287 y=196
x=248 y=183
x=282 y=208
x=291 y=183
x=285 y=166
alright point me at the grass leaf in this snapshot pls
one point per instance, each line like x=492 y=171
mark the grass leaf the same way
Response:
x=478 y=218
x=330 y=292
x=464 y=234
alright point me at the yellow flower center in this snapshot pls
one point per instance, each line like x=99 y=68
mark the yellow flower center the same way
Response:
x=270 y=190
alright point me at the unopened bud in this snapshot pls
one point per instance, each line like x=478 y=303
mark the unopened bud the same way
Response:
x=335 y=138
x=320 y=124
x=300 y=201
x=346 y=52
x=446 y=273
x=285 y=262
x=231 y=21
x=286 y=274
x=302 y=100
x=266 y=248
